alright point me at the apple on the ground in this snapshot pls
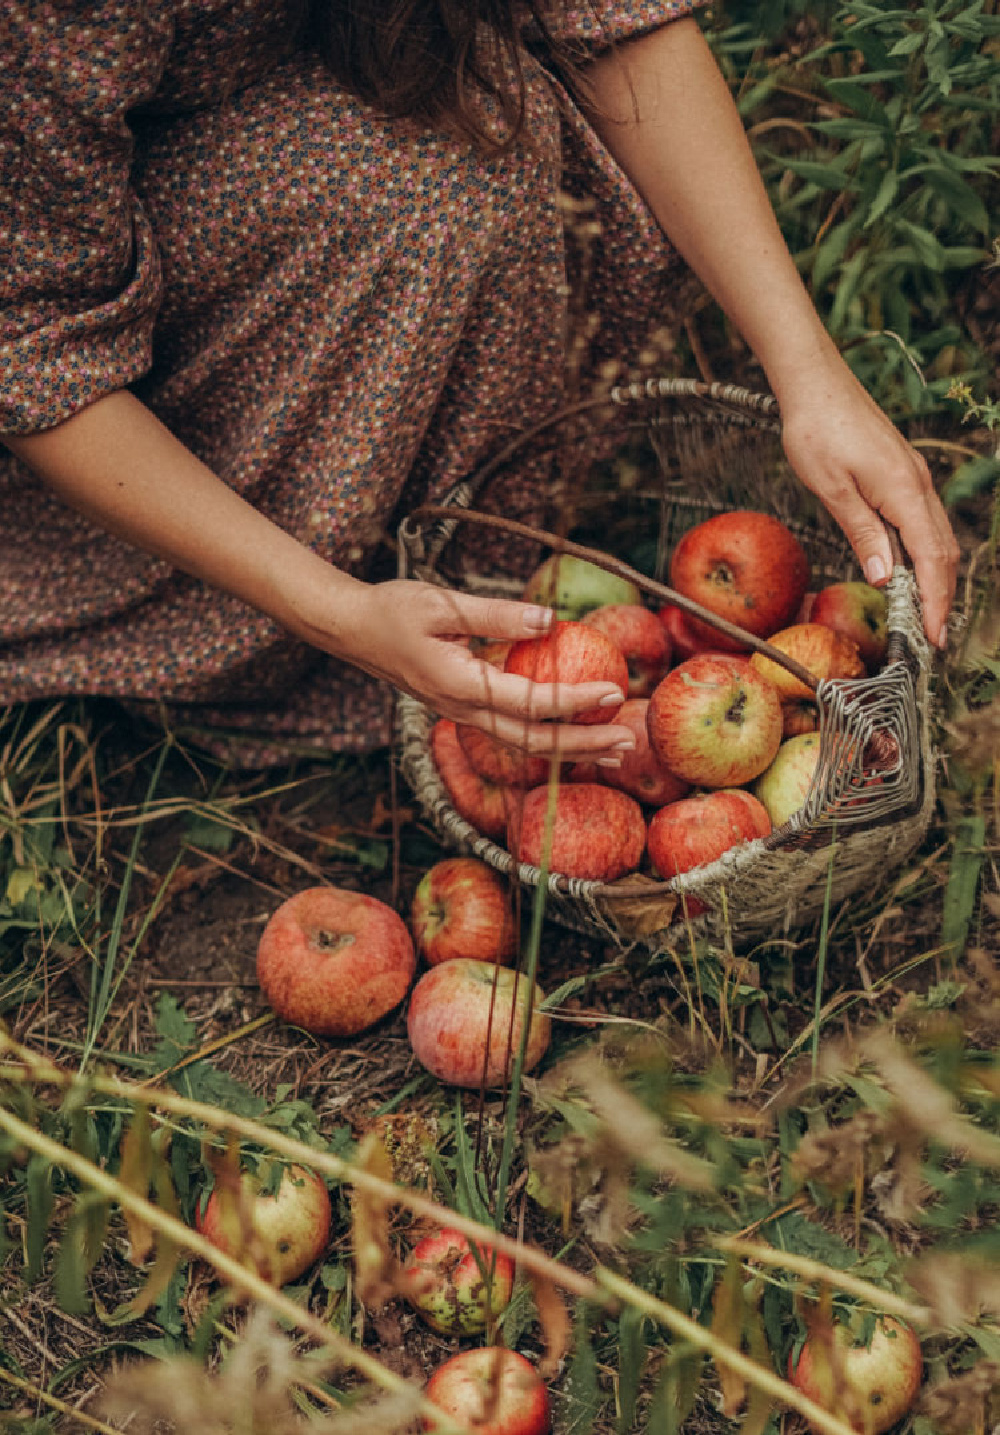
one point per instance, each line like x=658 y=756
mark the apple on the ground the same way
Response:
x=462 y=908
x=714 y=721
x=594 y=832
x=279 y=1235
x=481 y=801
x=784 y=786
x=333 y=961
x=573 y=586
x=860 y=612
x=572 y=653
x=824 y=652
x=872 y=1386
x=642 y=640
x=742 y=565
x=465 y=1021
x=493 y=1391
x=455 y=1288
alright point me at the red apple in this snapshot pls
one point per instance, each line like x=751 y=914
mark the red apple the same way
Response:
x=684 y=641
x=697 y=830
x=642 y=639
x=334 y=962
x=797 y=717
x=714 y=722
x=784 y=786
x=760 y=821
x=453 y=1290
x=860 y=612
x=572 y=653
x=573 y=586
x=497 y=762
x=805 y=608
x=493 y=1391
x=279 y=1236
x=744 y=566
x=641 y=774
x=481 y=802
x=597 y=833
x=872 y=1386
x=823 y=652
x=465 y=1022
x=462 y=908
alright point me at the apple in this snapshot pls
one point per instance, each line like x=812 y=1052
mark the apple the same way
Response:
x=760 y=821
x=698 y=829
x=482 y=802
x=465 y=1022
x=462 y=908
x=714 y=721
x=453 y=1290
x=872 y=1386
x=334 y=962
x=684 y=643
x=279 y=1235
x=493 y=1391
x=744 y=566
x=825 y=653
x=572 y=586
x=572 y=653
x=784 y=786
x=498 y=763
x=859 y=611
x=641 y=774
x=597 y=833
x=798 y=716
x=640 y=636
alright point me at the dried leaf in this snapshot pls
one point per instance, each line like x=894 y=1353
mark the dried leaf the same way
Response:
x=377 y=1275
x=727 y=1328
x=553 y=1317
x=927 y=1105
x=135 y=1173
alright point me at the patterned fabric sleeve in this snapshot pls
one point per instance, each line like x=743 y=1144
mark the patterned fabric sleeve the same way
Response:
x=79 y=278
x=596 y=24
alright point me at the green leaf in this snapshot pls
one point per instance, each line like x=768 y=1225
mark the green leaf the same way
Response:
x=676 y=1390
x=960 y=197
x=581 y=1398
x=886 y=193
x=632 y=1355
x=975 y=476
x=38 y=1181
x=908 y=44
x=963 y=880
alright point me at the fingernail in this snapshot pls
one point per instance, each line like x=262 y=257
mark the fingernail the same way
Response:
x=875 y=570
x=538 y=620
x=627 y=744
x=612 y=700
x=608 y=762
x=943 y=637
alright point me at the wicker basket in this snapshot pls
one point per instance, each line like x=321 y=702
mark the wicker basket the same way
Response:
x=722 y=444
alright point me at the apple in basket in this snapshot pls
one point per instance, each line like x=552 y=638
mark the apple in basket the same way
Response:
x=573 y=586
x=455 y=1287
x=462 y=908
x=333 y=961
x=493 y=1391
x=860 y=612
x=572 y=653
x=684 y=642
x=481 y=801
x=585 y=829
x=641 y=774
x=280 y=1234
x=498 y=763
x=871 y=1386
x=744 y=566
x=824 y=652
x=714 y=721
x=798 y=716
x=465 y=1021
x=641 y=638
x=696 y=830
x=784 y=786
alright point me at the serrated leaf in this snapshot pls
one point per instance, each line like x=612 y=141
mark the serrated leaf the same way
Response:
x=581 y=1395
x=632 y=1355
x=676 y=1390
x=38 y=1182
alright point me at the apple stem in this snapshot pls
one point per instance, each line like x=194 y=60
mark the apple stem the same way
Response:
x=621 y=570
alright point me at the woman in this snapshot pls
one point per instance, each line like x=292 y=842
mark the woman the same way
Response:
x=276 y=278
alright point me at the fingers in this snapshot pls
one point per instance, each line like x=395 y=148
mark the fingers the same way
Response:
x=467 y=615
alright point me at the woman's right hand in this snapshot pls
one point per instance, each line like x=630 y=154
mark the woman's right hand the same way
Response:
x=415 y=636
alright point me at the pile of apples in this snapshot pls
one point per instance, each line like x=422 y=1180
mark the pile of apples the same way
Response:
x=726 y=740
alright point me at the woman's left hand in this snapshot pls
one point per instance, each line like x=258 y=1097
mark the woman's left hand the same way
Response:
x=846 y=451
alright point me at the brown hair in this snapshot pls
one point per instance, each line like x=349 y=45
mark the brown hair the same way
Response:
x=434 y=61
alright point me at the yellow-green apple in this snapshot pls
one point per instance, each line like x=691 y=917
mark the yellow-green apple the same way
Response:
x=744 y=566
x=859 y=611
x=494 y=760
x=492 y=1391
x=798 y=716
x=784 y=786
x=572 y=653
x=462 y=908
x=465 y=1021
x=482 y=802
x=871 y=1386
x=454 y=1287
x=572 y=586
x=595 y=832
x=641 y=774
x=642 y=639
x=696 y=830
x=714 y=721
x=333 y=961
x=279 y=1235
x=825 y=653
